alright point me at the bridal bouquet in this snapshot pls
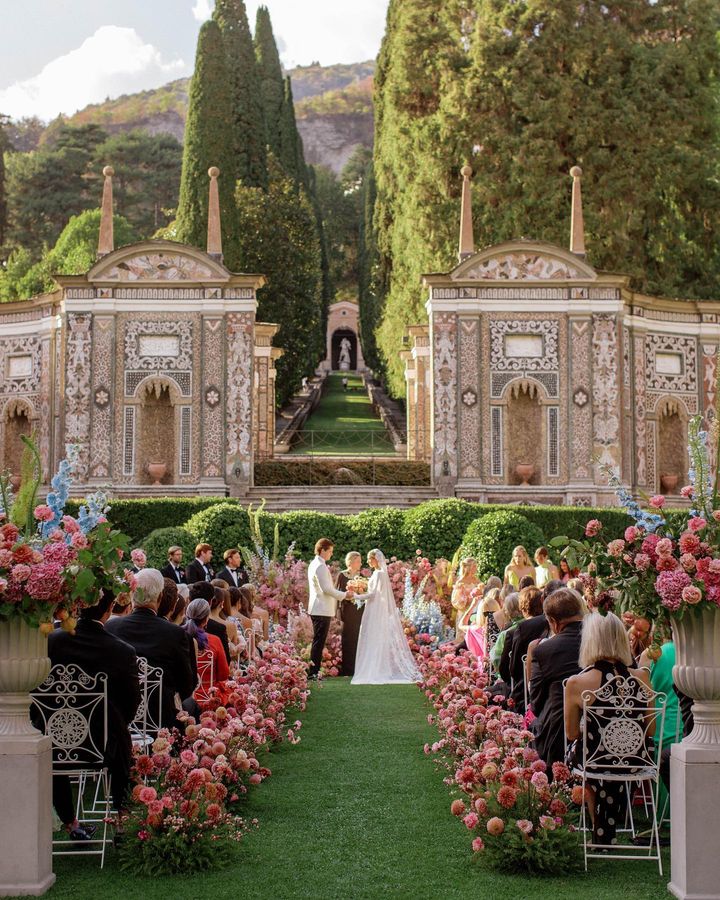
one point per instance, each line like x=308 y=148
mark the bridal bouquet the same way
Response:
x=52 y=563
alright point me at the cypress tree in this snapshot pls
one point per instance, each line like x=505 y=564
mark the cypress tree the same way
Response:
x=292 y=157
x=209 y=141
x=4 y=145
x=249 y=122
x=272 y=84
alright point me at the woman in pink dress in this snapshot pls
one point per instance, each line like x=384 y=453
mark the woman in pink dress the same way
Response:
x=465 y=596
x=481 y=635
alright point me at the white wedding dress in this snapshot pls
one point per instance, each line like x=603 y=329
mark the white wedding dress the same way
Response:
x=383 y=654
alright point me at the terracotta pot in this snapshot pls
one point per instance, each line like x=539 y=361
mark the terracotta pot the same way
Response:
x=24 y=664
x=697 y=670
x=669 y=483
x=525 y=472
x=15 y=481
x=157 y=470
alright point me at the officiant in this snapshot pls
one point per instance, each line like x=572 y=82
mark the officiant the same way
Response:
x=350 y=615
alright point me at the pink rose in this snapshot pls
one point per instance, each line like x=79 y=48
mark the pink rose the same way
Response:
x=43 y=513
x=495 y=826
x=147 y=794
x=687 y=491
x=616 y=547
x=593 y=528
x=697 y=523
x=79 y=541
x=664 y=547
x=470 y=821
x=657 y=502
x=692 y=594
x=525 y=825
x=632 y=533
x=478 y=845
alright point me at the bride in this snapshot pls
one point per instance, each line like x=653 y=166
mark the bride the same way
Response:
x=383 y=654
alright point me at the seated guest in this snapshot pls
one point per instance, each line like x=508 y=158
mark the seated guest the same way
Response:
x=242 y=621
x=203 y=590
x=566 y=573
x=259 y=615
x=525 y=581
x=553 y=661
x=197 y=617
x=177 y=616
x=121 y=606
x=508 y=616
x=534 y=624
x=219 y=611
x=162 y=644
x=95 y=650
x=604 y=653
x=199 y=569
x=174 y=569
x=168 y=599
x=661 y=681
x=233 y=572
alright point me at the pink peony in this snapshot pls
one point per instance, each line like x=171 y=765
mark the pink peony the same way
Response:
x=593 y=528
x=147 y=794
x=657 y=502
x=697 y=523
x=525 y=825
x=688 y=562
x=664 y=547
x=70 y=525
x=79 y=541
x=692 y=594
x=20 y=573
x=632 y=533
x=495 y=826
x=642 y=562
x=43 y=513
x=470 y=820
x=478 y=845
x=615 y=548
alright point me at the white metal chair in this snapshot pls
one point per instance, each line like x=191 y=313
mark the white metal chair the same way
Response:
x=148 y=718
x=72 y=709
x=526 y=686
x=206 y=677
x=619 y=717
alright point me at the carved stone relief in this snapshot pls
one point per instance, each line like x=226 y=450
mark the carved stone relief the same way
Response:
x=445 y=401
x=238 y=411
x=469 y=424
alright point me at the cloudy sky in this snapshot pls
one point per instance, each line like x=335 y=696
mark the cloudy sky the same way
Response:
x=60 y=55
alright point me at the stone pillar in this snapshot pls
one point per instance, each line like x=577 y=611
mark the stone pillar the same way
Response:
x=642 y=478
x=78 y=369
x=443 y=429
x=417 y=373
x=606 y=394
x=239 y=403
x=264 y=393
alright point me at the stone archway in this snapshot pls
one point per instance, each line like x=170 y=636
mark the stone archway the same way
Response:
x=524 y=434
x=672 y=437
x=338 y=337
x=157 y=432
x=17 y=423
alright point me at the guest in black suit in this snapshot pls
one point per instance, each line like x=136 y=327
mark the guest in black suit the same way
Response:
x=554 y=660
x=174 y=569
x=233 y=572
x=95 y=650
x=533 y=625
x=163 y=645
x=349 y=613
x=199 y=569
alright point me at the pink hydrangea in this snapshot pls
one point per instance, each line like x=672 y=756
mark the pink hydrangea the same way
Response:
x=692 y=594
x=593 y=528
x=616 y=547
x=58 y=553
x=670 y=586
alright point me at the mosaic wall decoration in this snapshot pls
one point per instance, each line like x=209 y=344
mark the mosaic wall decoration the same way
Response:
x=238 y=411
x=520 y=266
x=159 y=267
x=469 y=414
x=102 y=408
x=44 y=424
x=78 y=363
x=665 y=348
x=158 y=344
x=581 y=409
x=606 y=397
x=444 y=336
x=639 y=401
x=24 y=376
x=212 y=408
x=710 y=358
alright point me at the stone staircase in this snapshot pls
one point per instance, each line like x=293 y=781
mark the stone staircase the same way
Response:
x=340 y=499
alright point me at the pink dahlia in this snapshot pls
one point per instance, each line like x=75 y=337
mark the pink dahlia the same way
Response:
x=470 y=820
x=478 y=844
x=495 y=826
x=457 y=807
x=670 y=586
x=507 y=797
x=525 y=825
x=689 y=543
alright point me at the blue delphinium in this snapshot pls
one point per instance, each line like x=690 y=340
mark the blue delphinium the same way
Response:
x=424 y=615
x=644 y=519
x=60 y=491
x=699 y=476
x=93 y=511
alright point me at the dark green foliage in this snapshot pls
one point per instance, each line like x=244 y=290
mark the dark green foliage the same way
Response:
x=283 y=218
x=306 y=527
x=371 y=283
x=291 y=157
x=209 y=141
x=249 y=122
x=156 y=545
x=492 y=538
x=228 y=525
x=338 y=207
x=438 y=526
x=383 y=528
x=176 y=854
x=276 y=472
x=4 y=146
x=272 y=85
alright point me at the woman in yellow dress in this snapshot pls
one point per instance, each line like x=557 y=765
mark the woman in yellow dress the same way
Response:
x=519 y=566
x=462 y=596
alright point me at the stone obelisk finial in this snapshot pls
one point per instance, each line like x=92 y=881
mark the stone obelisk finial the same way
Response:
x=214 y=232
x=467 y=242
x=106 y=241
x=577 y=226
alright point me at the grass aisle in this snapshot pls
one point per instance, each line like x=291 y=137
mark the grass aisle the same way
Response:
x=356 y=810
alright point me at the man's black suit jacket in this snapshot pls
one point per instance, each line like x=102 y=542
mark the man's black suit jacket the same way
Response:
x=194 y=571
x=163 y=645
x=226 y=575
x=176 y=575
x=516 y=646
x=553 y=661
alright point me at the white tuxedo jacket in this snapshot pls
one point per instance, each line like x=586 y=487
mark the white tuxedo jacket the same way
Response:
x=324 y=595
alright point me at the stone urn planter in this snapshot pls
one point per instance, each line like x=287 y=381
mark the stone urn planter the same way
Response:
x=697 y=670
x=157 y=471
x=669 y=483
x=24 y=665
x=525 y=472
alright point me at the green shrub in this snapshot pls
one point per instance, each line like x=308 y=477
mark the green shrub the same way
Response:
x=384 y=528
x=492 y=538
x=227 y=525
x=157 y=542
x=305 y=527
x=278 y=472
x=438 y=526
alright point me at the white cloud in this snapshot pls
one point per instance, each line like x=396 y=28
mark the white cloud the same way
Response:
x=113 y=61
x=202 y=10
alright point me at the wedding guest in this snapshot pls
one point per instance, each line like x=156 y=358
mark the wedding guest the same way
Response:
x=259 y=615
x=518 y=567
x=233 y=572
x=532 y=625
x=509 y=615
x=545 y=569
x=197 y=617
x=465 y=597
x=553 y=661
x=168 y=599
x=204 y=590
x=177 y=617
x=482 y=634
x=121 y=607
x=94 y=649
x=199 y=569
x=661 y=680
x=604 y=653
x=350 y=615
x=566 y=573
x=163 y=644
x=174 y=568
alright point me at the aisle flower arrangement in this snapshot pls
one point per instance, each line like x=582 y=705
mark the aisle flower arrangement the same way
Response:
x=184 y=812
x=520 y=820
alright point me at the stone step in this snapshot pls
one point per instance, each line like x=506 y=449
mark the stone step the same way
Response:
x=340 y=499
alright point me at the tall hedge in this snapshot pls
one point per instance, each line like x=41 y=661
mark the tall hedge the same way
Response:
x=491 y=540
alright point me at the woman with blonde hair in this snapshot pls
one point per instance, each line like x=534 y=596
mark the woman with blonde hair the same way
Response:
x=466 y=594
x=520 y=566
x=482 y=635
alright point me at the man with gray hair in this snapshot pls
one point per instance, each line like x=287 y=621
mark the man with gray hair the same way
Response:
x=163 y=644
x=350 y=615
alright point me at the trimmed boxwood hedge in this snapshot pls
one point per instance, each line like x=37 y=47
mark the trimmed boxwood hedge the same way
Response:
x=280 y=472
x=156 y=545
x=492 y=539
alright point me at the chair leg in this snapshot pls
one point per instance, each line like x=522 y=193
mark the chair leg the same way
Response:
x=106 y=787
x=583 y=821
x=655 y=831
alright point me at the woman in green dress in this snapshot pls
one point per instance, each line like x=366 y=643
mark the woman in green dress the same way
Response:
x=661 y=680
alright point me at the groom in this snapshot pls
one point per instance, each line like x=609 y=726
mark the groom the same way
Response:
x=322 y=604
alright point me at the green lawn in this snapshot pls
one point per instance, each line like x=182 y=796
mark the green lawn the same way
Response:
x=356 y=810
x=344 y=423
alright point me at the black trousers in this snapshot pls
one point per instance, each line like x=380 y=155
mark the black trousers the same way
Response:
x=321 y=626
x=62 y=794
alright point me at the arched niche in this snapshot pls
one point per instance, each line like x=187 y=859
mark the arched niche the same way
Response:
x=157 y=431
x=524 y=438
x=338 y=337
x=672 y=437
x=17 y=420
